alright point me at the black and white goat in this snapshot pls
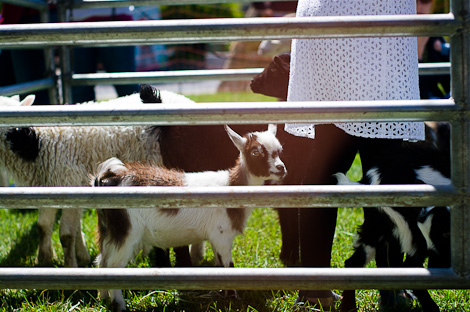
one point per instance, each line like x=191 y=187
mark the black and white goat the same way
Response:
x=388 y=233
x=121 y=232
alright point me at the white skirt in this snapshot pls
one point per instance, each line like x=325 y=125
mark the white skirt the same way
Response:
x=355 y=69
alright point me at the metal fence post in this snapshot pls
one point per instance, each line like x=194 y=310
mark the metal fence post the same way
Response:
x=460 y=216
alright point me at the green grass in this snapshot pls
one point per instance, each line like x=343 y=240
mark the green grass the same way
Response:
x=258 y=247
x=231 y=97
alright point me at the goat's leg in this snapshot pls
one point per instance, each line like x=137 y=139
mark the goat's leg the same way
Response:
x=182 y=257
x=427 y=303
x=389 y=255
x=222 y=247
x=46 y=220
x=70 y=223
x=81 y=250
x=357 y=260
x=196 y=252
x=423 y=295
x=289 y=222
x=161 y=258
x=4 y=178
x=113 y=256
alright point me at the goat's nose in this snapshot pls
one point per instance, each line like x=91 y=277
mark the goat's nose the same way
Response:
x=280 y=167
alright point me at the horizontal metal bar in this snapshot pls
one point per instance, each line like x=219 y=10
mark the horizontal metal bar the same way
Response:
x=224 y=29
x=124 y=3
x=206 y=74
x=27 y=87
x=229 y=196
x=33 y=4
x=229 y=113
x=165 y=76
x=171 y=76
x=427 y=69
x=230 y=278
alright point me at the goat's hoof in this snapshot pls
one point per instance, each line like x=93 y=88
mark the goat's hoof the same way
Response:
x=231 y=294
x=345 y=308
x=84 y=260
x=395 y=300
x=118 y=307
x=45 y=260
x=348 y=307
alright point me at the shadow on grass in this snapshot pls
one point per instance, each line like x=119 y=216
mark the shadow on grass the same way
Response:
x=49 y=300
x=204 y=300
x=24 y=250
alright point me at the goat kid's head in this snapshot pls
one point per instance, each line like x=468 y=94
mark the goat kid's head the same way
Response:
x=260 y=153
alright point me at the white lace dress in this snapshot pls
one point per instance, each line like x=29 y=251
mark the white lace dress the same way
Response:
x=356 y=68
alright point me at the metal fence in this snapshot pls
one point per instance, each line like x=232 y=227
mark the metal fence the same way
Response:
x=456 y=110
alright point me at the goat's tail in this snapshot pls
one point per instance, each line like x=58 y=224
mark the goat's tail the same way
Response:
x=109 y=173
x=113 y=224
x=149 y=94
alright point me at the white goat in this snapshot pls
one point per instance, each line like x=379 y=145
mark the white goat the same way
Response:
x=64 y=156
x=121 y=232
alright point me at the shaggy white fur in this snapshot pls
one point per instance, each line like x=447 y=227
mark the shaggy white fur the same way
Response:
x=65 y=157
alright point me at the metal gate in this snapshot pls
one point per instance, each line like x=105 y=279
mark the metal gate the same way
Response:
x=456 y=24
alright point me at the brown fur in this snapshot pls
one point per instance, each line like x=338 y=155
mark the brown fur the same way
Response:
x=274 y=79
x=236 y=175
x=118 y=222
x=156 y=176
x=257 y=165
x=237 y=218
x=170 y=212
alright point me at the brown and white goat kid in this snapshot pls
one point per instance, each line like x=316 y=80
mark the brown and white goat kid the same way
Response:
x=121 y=232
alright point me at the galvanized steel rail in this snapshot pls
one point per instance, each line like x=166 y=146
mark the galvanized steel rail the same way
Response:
x=48 y=83
x=204 y=74
x=230 y=197
x=231 y=113
x=165 y=76
x=456 y=24
x=28 y=87
x=229 y=278
x=152 y=77
x=225 y=29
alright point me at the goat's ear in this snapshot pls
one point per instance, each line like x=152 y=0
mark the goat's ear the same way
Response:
x=238 y=140
x=28 y=101
x=272 y=128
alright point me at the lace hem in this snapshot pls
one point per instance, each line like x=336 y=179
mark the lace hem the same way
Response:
x=413 y=131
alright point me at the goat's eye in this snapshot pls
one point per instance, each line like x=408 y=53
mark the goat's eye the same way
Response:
x=255 y=153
